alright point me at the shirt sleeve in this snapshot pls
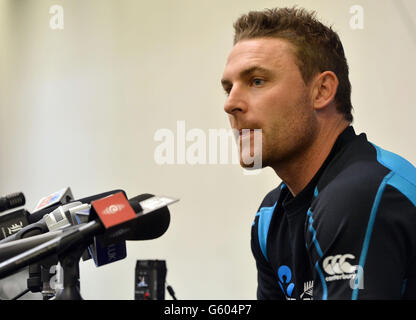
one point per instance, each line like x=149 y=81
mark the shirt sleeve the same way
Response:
x=361 y=242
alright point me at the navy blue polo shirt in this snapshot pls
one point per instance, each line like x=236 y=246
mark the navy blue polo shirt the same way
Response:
x=349 y=234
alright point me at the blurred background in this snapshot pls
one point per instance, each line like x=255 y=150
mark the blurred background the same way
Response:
x=80 y=107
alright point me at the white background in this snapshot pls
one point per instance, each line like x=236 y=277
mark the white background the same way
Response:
x=79 y=107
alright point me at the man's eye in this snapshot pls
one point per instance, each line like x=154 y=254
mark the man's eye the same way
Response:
x=258 y=82
x=227 y=91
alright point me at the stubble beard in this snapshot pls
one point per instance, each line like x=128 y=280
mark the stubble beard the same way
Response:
x=287 y=143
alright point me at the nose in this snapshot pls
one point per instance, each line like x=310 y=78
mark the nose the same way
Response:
x=235 y=102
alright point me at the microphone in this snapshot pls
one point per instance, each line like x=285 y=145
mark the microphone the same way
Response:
x=36 y=216
x=100 y=253
x=153 y=225
x=36 y=223
x=71 y=214
x=11 y=201
x=63 y=217
x=13 y=248
x=40 y=272
x=46 y=218
x=59 y=197
x=118 y=219
x=146 y=226
x=105 y=250
x=60 y=217
x=12 y=222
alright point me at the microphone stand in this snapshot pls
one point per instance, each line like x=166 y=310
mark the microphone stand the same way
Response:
x=40 y=276
x=69 y=261
x=34 y=282
x=46 y=276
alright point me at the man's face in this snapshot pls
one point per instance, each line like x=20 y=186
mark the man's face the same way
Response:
x=266 y=91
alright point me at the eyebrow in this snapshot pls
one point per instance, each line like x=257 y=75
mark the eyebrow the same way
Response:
x=247 y=72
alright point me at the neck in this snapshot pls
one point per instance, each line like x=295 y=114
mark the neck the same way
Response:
x=297 y=173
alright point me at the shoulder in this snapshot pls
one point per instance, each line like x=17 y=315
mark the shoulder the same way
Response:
x=271 y=197
x=261 y=223
x=402 y=175
x=265 y=211
x=373 y=185
x=355 y=180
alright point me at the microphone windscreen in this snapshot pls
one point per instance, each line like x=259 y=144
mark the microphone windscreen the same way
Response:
x=12 y=200
x=151 y=225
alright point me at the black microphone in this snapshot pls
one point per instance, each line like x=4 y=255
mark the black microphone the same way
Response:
x=150 y=222
x=11 y=201
x=148 y=226
x=12 y=222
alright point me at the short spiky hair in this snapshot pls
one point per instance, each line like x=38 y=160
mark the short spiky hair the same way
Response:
x=317 y=47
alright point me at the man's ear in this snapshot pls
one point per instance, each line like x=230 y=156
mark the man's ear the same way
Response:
x=324 y=88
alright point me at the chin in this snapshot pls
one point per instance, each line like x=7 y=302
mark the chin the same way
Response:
x=254 y=165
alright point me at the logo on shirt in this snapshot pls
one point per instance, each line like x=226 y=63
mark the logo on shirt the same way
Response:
x=285 y=275
x=338 y=267
x=338 y=264
x=307 y=291
x=286 y=283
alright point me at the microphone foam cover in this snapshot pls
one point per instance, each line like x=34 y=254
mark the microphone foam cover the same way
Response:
x=151 y=225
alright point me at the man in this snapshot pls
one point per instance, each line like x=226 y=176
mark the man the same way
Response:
x=342 y=224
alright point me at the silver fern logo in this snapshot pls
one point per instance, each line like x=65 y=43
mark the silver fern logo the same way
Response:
x=307 y=291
